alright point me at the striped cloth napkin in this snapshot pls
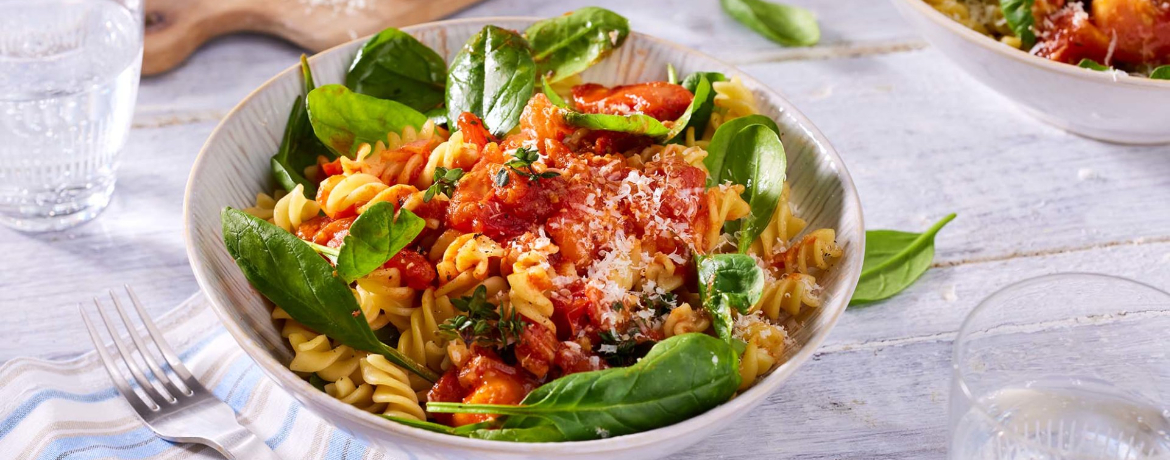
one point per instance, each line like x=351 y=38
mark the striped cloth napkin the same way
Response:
x=70 y=410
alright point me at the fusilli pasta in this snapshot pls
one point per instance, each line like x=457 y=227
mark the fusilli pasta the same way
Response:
x=787 y=293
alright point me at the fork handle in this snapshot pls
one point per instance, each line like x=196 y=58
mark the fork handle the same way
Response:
x=241 y=444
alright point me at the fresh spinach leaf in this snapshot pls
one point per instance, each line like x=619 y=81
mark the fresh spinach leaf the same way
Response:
x=290 y=274
x=1090 y=64
x=374 y=238
x=317 y=382
x=343 y=119
x=299 y=147
x=691 y=83
x=552 y=95
x=893 y=261
x=697 y=114
x=717 y=153
x=492 y=77
x=1018 y=14
x=634 y=124
x=728 y=281
x=756 y=161
x=566 y=45
x=1161 y=73
x=679 y=378
x=784 y=24
x=394 y=65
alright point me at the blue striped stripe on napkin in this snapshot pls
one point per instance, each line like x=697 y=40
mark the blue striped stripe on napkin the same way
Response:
x=69 y=410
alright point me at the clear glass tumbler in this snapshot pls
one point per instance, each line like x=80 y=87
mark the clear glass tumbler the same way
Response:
x=1069 y=366
x=69 y=74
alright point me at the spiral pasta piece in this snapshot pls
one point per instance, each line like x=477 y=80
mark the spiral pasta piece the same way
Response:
x=724 y=203
x=293 y=208
x=529 y=283
x=684 y=319
x=398 y=160
x=735 y=99
x=817 y=250
x=765 y=347
x=787 y=294
x=357 y=395
x=265 y=205
x=663 y=272
x=784 y=226
x=391 y=387
x=465 y=263
x=421 y=341
x=357 y=192
x=384 y=298
x=453 y=153
x=317 y=355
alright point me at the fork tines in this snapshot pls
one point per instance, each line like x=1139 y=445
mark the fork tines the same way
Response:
x=156 y=390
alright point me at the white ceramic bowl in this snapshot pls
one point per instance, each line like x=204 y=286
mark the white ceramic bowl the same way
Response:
x=1100 y=105
x=234 y=165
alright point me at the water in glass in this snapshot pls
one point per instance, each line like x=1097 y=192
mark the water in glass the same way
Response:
x=1062 y=419
x=69 y=74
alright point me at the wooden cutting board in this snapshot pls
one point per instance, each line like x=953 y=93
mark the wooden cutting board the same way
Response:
x=176 y=28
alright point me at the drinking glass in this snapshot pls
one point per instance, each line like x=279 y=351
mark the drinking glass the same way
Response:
x=1068 y=366
x=69 y=74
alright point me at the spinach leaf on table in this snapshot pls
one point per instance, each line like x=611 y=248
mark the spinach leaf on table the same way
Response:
x=343 y=119
x=1018 y=14
x=394 y=65
x=290 y=274
x=784 y=24
x=566 y=45
x=492 y=77
x=1161 y=73
x=696 y=115
x=717 y=150
x=374 y=238
x=728 y=281
x=634 y=124
x=679 y=378
x=893 y=261
x=299 y=147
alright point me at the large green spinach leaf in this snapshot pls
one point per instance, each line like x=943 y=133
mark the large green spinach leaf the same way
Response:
x=728 y=281
x=679 y=378
x=717 y=161
x=784 y=24
x=1161 y=73
x=893 y=261
x=696 y=115
x=492 y=77
x=394 y=65
x=634 y=124
x=756 y=160
x=566 y=45
x=1018 y=14
x=290 y=274
x=374 y=238
x=299 y=147
x=343 y=119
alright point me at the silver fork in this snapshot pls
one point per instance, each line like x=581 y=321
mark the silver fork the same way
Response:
x=174 y=404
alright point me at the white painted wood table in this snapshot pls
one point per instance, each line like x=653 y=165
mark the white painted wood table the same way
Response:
x=920 y=139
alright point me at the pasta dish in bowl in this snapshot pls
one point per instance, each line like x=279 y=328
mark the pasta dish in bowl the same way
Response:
x=499 y=241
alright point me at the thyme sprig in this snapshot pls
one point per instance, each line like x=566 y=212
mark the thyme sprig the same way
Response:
x=481 y=323
x=444 y=182
x=521 y=163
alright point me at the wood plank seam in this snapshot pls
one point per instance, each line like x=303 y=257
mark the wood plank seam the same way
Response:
x=846 y=50
x=1038 y=326
x=1144 y=240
